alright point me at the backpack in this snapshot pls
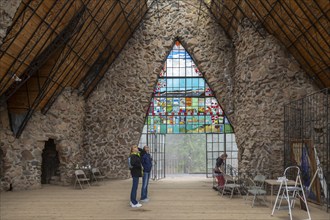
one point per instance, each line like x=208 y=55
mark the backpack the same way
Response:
x=129 y=163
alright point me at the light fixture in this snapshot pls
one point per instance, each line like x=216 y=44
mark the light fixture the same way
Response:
x=16 y=78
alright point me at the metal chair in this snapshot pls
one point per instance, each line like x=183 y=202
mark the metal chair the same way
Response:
x=96 y=174
x=255 y=187
x=231 y=185
x=81 y=178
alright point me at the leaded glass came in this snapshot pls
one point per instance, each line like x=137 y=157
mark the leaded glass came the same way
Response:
x=182 y=101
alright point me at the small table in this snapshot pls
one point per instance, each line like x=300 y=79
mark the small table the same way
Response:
x=275 y=182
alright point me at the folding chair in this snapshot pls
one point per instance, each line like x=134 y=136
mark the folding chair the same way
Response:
x=255 y=187
x=96 y=174
x=231 y=185
x=80 y=178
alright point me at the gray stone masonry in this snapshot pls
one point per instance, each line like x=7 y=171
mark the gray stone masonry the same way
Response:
x=8 y=9
x=116 y=111
x=251 y=76
x=23 y=156
x=266 y=77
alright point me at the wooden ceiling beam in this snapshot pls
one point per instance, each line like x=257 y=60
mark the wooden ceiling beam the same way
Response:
x=76 y=74
x=309 y=69
x=256 y=12
x=214 y=14
x=103 y=64
x=95 y=21
x=274 y=22
x=40 y=53
x=95 y=67
x=75 y=82
x=87 y=54
x=304 y=30
x=46 y=53
x=233 y=16
x=123 y=11
x=305 y=38
x=60 y=40
x=317 y=20
x=269 y=12
x=9 y=40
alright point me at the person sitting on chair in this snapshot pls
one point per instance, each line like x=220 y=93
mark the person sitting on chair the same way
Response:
x=218 y=170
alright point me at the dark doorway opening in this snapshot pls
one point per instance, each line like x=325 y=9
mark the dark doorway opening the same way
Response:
x=50 y=162
x=2 y=165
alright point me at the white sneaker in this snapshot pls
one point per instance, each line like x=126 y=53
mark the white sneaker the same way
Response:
x=144 y=200
x=137 y=205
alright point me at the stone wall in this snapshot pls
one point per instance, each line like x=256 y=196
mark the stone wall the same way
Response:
x=23 y=156
x=8 y=9
x=266 y=77
x=251 y=76
x=116 y=110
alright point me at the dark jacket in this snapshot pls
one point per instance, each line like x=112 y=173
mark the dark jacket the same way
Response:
x=136 y=170
x=219 y=162
x=146 y=162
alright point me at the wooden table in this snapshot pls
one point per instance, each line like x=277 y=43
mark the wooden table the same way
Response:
x=275 y=182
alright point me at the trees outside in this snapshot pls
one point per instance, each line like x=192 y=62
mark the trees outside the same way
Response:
x=185 y=153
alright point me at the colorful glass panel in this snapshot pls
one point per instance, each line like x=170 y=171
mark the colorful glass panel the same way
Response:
x=182 y=100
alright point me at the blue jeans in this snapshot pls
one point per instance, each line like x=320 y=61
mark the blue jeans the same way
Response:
x=145 y=183
x=134 y=190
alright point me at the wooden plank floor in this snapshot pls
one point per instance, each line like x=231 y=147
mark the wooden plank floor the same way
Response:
x=171 y=198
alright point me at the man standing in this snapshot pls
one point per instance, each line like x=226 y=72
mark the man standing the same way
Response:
x=146 y=162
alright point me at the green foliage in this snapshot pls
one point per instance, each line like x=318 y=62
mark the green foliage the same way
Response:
x=189 y=150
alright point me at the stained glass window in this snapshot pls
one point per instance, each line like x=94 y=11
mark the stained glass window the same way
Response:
x=182 y=101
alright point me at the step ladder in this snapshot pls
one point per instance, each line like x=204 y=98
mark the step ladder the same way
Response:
x=290 y=193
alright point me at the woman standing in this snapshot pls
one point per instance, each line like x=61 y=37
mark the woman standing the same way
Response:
x=146 y=161
x=136 y=172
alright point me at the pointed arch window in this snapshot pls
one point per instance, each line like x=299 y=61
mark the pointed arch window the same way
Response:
x=182 y=100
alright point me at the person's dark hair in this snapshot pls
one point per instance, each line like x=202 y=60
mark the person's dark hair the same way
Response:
x=224 y=155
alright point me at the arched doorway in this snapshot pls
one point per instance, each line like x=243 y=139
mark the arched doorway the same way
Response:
x=50 y=162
